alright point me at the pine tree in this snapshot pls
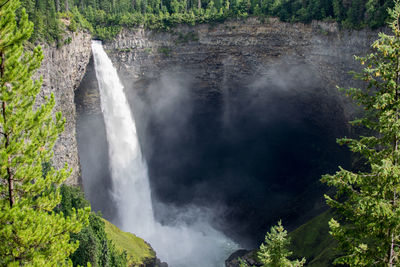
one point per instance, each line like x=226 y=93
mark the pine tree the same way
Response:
x=30 y=231
x=275 y=253
x=367 y=202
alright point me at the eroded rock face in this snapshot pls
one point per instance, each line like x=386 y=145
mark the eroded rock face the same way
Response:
x=239 y=51
x=242 y=116
x=62 y=70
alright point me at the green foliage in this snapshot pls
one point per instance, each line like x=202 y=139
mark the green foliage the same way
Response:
x=68 y=40
x=275 y=253
x=94 y=246
x=43 y=14
x=80 y=21
x=73 y=26
x=31 y=232
x=106 y=18
x=72 y=198
x=242 y=263
x=167 y=14
x=102 y=243
x=368 y=225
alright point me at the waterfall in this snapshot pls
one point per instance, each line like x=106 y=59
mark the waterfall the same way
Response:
x=196 y=244
x=131 y=189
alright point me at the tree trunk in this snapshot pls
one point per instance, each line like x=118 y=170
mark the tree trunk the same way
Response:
x=199 y=4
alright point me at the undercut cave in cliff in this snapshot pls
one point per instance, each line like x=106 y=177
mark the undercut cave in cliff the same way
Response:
x=241 y=120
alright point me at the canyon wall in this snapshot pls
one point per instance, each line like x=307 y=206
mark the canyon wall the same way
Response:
x=240 y=51
x=235 y=51
x=62 y=70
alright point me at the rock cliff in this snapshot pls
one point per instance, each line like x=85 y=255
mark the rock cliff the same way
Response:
x=240 y=51
x=62 y=70
x=232 y=52
x=235 y=51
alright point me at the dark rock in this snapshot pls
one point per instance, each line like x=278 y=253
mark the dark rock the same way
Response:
x=248 y=256
x=237 y=254
x=161 y=264
x=155 y=262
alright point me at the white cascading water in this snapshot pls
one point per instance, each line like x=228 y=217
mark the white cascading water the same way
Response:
x=197 y=244
x=128 y=169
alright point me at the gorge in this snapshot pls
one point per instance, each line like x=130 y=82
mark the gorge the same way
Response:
x=237 y=121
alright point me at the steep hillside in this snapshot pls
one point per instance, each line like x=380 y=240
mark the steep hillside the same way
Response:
x=139 y=253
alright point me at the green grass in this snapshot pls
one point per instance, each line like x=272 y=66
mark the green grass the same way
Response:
x=138 y=251
x=313 y=241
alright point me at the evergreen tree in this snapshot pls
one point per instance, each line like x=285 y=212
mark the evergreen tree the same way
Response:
x=30 y=231
x=94 y=246
x=367 y=202
x=275 y=253
x=338 y=10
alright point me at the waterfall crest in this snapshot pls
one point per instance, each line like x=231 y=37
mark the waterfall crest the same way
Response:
x=195 y=244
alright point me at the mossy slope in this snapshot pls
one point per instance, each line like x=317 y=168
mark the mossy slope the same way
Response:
x=139 y=253
x=313 y=241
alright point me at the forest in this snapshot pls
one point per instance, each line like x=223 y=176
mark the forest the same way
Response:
x=105 y=18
